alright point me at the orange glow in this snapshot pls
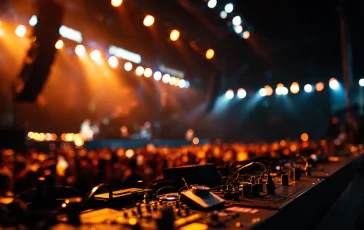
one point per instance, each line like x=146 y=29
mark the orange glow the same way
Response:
x=174 y=35
x=116 y=3
x=148 y=20
x=80 y=50
x=79 y=142
x=69 y=137
x=293 y=148
x=320 y=86
x=148 y=72
x=173 y=81
x=63 y=137
x=304 y=137
x=139 y=70
x=59 y=44
x=41 y=137
x=283 y=143
x=20 y=31
x=332 y=79
x=210 y=53
x=31 y=135
x=269 y=90
x=54 y=137
x=95 y=55
x=128 y=66
x=280 y=85
x=295 y=88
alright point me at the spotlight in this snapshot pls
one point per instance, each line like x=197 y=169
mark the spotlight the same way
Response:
x=139 y=70
x=182 y=83
x=116 y=3
x=59 y=44
x=113 y=62
x=148 y=72
x=295 y=88
x=246 y=35
x=128 y=66
x=166 y=78
x=174 y=35
x=157 y=76
x=284 y=91
x=241 y=93
x=80 y=50
x=269 y=90
x=148 y=20
x=229 y=94
x=263 y=92
x=223 y=14
x=237 y=20
x=238 y=29
x=229 y=8
x=308 y=88
x=334 y=84
x=95 y=55
x=20 y=31
x=281 y=90
x=320 y=86
x=212 y=3
x=33 y=20
x=210 y=53
x=361 y=82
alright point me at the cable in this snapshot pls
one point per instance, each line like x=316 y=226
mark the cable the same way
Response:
x=246 y=166
x=90 y=194
x=156 y=192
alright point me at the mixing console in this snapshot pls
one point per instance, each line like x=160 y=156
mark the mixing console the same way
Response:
x=248 y=201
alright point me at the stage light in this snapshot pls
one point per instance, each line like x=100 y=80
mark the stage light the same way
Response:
x=361 y=82
x=229 y=8
x=281 y=90
x=182 y=83
x=195 y=140
x=59 y=44
x=210 y=53
x=263 y=92
x=229 y=94
x=284 y=91
x=241 y=93
x=20 y=31
x=295 y=88
x=157 y=76
x=304 y=137
x=223 y=14
x=95 y=55
x=166 y=78
x=187 y=84
x=148 y=20
x=148 y=72
x=128 y=66
x=320 y=86
x=48 y=137
x=33 y=20
x=173 y=81
x=80 y=50
x=212 y=3
x=246 y=35
x=280 y=85
x=269 y=90
x=308 y=88
x=174 y=35
x=237 y=20
x=238 y=29
x=139 y=71
x=116 y=3
x=334 y=84
x=113 y=61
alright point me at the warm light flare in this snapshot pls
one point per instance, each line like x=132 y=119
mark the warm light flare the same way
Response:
x=59 y=45
x=113 y=62
x=80 y=50
x=116 y=3
x=95 y=55
x=320 y=86
x=148 y=20
x=166 y=78
x=210 y=53
x=295 y=88
x=148 y=72
x=139 y=70
x=304 y=137
x=269 y=90
x=174 y=35
x=128 y=66
x=20 y=31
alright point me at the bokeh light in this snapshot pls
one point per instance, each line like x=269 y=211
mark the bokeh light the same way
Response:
x=139 y=71
x=20 y=31
x=148 y=20
x=229 y=8
x=166 y=78
x=157 y=75
x=295 y=88
x=95 y=55
x=210 y=53
x=174 y=35
x=269 y=90
x=238 y=29
x=308 y=88
x=361 y=82
x=229 y=94
x=113 y=62
x=320 y=86
x=246 y=35
x=241 y=93
x=237 y=20
x=80 y=50
x=263 y=92
x=128 y=66
x=223 y=14
x=212 y=3
x=334 y=84
x=182 y=83
x=148 y=72
x=116 y=3
x=304 y=137
x=59 y=44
